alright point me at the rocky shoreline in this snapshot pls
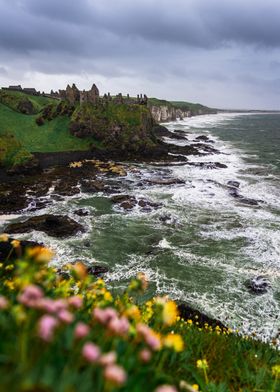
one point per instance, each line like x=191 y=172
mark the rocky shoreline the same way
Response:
x=61 y=175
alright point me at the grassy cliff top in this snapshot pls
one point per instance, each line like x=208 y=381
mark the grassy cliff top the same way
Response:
x=183 y=105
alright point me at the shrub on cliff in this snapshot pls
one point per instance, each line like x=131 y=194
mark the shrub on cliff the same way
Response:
x=11 y=152
x=115 y=125
x=65 y=331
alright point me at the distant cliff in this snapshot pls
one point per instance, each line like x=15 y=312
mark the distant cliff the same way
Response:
x=164 y=111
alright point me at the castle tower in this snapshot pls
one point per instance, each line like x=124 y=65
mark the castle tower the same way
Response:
x=93 y=94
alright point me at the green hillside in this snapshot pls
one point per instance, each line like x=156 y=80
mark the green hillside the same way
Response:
x=52 y=136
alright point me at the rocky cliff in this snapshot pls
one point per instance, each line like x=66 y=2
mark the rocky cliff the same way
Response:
x=164 y=111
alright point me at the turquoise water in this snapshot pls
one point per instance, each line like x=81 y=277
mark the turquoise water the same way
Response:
x=203 y=244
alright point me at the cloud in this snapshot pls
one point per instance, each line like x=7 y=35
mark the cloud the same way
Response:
x=183 y=43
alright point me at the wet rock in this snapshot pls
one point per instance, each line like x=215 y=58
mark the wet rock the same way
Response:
x=161 y=131
x=120 y=198
x=249 y=202
x=165 y=181
x=148 y=205
x=180 y=132
x=8 y=252
x=258 y=285
x=97 y=270
x=12 y=202
x=188 y=313
x=128 y=205
x=206 y=148
x=234 y=184
x=202 y=138
x=54 y=225
x=81 y=212
x=92 y=186
x=208 y=165
x=175 y=136
x=234 y=193
x=29 y=167
x=183 y=150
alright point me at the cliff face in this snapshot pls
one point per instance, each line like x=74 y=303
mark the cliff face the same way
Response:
x=164 y=111
x=168 y=113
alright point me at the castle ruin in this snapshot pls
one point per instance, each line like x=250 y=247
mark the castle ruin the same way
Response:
x=74 y=95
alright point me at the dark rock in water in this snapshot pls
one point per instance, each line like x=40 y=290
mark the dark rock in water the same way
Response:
x=258 y=285
x=250 y=202
x=120 y=198
x=177 y=137
x=206 y=148
x=97 y=270
x=208 y=165
x=82 y=212
x=53 y=225
x=146 y=204
x=128 y=205
x=234 y=192
x=165 y=218
x=180 y=132
x=202 y=138
x=92 y=186
x=160 y=131
x=8 y=252
x=12 y=202
x=165 y=181
x=188 y=313
x=234 y=184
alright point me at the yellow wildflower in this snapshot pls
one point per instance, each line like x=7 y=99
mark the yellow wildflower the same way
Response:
x=4 y=238
x=80 y=270
x=169 y=313
x=133 y=313
x=276 y=370
x=174 y=341
x=195 y=387
x=9 y=267
x=108 y=296
x=15 y=243
x=202 y=364
x=189 y=321
x=40 y=254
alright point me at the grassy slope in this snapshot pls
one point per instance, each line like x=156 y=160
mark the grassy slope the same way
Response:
x=51 y=137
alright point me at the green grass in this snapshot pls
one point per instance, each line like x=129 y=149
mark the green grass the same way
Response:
x=53 y=136
x=11 y=151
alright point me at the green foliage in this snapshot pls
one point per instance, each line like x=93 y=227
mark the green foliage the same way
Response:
x=12 y=99
x=11 y=151
x=115 y=125
x=52 y=136
x=40 y=310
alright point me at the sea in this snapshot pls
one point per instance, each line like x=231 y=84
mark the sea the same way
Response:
x=203 y=245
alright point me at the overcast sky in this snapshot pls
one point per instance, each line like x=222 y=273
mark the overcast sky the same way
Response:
x=222 y=53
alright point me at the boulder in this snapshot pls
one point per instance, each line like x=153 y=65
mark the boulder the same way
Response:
x=54 y=225
x=165 y=181
x=234 y=184
x=258 y=285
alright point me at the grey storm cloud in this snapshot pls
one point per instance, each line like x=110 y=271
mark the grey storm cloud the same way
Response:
x=149 y=41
